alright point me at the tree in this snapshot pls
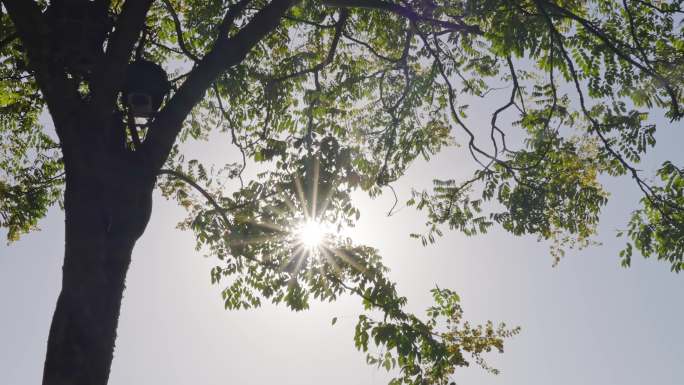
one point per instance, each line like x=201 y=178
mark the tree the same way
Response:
x=333 y=96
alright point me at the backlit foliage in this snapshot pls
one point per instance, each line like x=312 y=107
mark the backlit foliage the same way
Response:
x=343 y=95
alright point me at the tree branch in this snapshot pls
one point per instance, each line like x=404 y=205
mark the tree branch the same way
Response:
x=60 y=95
x=179 y=32
x=225 y=53
x=191 y=182
x=404 y=12
x=229 y=18
x=212 y=201
x=110 y=71
x=646 y=188
x=339 y=27
x=614 y=46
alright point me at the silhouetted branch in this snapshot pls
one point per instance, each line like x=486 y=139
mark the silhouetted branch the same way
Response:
x=109 y=73
x=643 y=186
x=403 y=11
x=339 y=27
x=225 y=53
x=613 y=45
x=233 y=12
x=179 y=32
x=191 y=182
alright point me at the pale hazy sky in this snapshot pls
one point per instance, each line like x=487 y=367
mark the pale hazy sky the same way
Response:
x=586 y=321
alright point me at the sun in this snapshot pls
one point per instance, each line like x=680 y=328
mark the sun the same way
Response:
x=312 y=234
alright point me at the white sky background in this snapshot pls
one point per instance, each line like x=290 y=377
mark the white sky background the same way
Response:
x=587 y=321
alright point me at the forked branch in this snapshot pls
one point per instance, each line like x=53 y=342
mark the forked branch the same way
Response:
x=224 y=54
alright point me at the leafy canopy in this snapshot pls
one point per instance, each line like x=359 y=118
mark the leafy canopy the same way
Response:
x=343 y=95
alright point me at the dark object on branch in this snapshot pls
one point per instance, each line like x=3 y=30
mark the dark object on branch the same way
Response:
x=145 y=88
x=78 y=31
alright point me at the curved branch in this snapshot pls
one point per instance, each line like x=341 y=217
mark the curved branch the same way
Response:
x=179 y=32
x=233 y=134
x=509 y=103
x=613 y=46
x=212 y=201
x=406 y=12
x=191 y=182
x=339 y=27
x=391 y=211
x=657 y=8
x=377 y=54
x=224 y=54
x=646 y=189
x=308 y=22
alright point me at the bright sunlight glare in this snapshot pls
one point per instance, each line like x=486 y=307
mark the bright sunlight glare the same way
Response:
x=311 y=234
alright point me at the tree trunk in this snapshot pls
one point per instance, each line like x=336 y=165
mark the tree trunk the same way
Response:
x=105 y=215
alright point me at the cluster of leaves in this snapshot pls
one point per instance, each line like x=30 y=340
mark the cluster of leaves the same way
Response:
x=424 y=355
x=656 y=228
x=559 y=196
x=346 y=94
x=31 y=175
x=253 y=233
x=383 y=81
x=578 y=102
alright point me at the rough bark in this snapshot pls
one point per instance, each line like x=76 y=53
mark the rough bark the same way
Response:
x=106 y=212
x=109 y=189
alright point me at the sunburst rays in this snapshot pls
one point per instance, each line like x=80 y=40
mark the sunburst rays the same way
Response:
x=312 y=234
x=299 y=227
